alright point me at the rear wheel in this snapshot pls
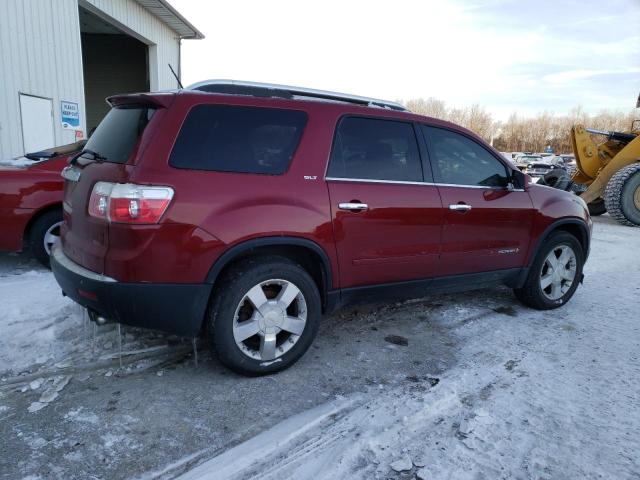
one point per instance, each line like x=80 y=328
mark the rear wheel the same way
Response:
x=264 y=315
x=44 y=233
x=555 y=273
x=622 y=195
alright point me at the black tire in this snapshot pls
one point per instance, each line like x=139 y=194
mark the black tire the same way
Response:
x=531 y=293
x=233 y=286
x=556 y=178
x=37 y=233
x=620 y=192
x=597 y=207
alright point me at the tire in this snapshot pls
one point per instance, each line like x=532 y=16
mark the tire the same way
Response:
x=231 y=313
x=532 y=292
x=556 y=178
x=622 y=195
x=597 y=207
x=41 y=234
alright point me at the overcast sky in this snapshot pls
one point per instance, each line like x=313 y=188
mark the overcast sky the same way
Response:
x=507 y=55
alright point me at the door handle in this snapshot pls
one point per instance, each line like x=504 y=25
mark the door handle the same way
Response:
x=353 y=206
x=460 y=207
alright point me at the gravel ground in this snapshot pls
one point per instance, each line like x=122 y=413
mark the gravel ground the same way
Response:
x=68 y=410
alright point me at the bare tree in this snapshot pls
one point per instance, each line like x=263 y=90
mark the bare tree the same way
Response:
x=522 y=134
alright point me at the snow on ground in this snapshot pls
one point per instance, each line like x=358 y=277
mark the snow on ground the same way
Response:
x=485 y=388
x=533 y=395
x=30 y=327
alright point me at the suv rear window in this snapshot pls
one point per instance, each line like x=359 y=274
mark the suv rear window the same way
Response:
x=118 y=133
x=226 y=138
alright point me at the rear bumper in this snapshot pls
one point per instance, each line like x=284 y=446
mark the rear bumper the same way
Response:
x=173 y=308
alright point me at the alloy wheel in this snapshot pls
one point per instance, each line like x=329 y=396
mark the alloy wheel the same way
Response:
x=558 y=272
x=51 y=236
x=269 y=319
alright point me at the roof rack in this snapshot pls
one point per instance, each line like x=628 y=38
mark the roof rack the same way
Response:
x=257 y=89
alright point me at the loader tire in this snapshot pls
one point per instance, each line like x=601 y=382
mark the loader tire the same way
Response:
x=622 y=195
x=597 y=207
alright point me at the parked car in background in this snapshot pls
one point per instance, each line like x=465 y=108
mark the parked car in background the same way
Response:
x=246 y=211
x=523 y=160
x=31 y=201
x=538 y=168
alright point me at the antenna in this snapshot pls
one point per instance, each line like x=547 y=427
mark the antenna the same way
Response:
x=174 y=74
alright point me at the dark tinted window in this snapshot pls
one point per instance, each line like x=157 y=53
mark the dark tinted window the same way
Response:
x=238 y=139
x=118 y=133
x=375 y=149
x=458 y=160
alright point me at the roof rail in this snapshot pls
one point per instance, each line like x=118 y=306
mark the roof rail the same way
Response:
x=257 y=89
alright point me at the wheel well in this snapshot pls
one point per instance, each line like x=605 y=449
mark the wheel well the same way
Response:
x=572 y=227
x=307 y=258
x=35 y=217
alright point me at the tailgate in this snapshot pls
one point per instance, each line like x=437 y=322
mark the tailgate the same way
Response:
x=85 y=239
x=110 y=156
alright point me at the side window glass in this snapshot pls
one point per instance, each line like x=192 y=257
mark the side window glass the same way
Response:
x=373 y=149
x=458 y=160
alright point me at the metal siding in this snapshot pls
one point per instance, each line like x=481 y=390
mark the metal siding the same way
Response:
x=40 y=54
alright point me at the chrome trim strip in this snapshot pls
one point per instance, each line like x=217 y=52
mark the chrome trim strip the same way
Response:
x=64 y=261
x=368 y=180
x=399 y=182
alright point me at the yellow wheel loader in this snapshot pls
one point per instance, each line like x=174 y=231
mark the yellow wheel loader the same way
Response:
x=610 y=171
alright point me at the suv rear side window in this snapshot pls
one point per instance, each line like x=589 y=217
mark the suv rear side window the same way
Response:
x=118 y=132
x=373 y=149
x=458 y=160
x=227 y=138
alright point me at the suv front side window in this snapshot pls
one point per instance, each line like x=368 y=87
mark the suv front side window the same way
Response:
x=375 y=149
x=458 y=160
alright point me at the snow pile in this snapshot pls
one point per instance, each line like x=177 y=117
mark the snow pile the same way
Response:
x=534 y=395
x=39 y=330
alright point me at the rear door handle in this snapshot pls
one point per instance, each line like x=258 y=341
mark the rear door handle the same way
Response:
x=460 y=207
x=353 y=206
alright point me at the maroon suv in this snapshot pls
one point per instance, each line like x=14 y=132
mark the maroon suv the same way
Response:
x=247 y=211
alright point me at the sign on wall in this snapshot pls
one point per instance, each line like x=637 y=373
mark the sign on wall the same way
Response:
x=70 y=115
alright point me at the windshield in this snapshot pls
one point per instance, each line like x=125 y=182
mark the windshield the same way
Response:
x=119 y=132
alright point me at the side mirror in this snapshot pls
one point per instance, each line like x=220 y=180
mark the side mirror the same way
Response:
x=518 y=179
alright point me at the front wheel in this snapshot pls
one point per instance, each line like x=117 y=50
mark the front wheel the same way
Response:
x=264 y=315
x=555 y=273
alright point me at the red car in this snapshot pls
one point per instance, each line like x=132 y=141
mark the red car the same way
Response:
x=31 y=202
x=247 y=211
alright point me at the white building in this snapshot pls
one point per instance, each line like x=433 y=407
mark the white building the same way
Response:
x=59 y=60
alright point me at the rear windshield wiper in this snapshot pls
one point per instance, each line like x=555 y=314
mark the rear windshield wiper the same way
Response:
x=97 y=157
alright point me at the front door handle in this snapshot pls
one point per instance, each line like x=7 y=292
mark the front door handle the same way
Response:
x=460 y=207
x=353 y=206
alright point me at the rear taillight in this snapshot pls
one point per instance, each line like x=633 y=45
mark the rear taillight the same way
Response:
x=129 y=203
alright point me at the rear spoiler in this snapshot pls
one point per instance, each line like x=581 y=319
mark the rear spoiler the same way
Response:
x=155 y=100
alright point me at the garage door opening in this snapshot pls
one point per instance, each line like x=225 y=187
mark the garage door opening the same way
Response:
x=113 y=62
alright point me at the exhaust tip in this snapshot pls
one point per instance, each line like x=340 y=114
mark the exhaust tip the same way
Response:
x=97 y=318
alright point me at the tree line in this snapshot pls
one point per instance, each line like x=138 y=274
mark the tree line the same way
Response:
x=524 y=134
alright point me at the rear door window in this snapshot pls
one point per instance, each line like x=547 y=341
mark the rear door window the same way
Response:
x=375 y=149
x=227 y=138
x=458 y=160
x=118 y=133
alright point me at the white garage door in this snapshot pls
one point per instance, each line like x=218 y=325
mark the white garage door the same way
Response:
x=37 y=123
